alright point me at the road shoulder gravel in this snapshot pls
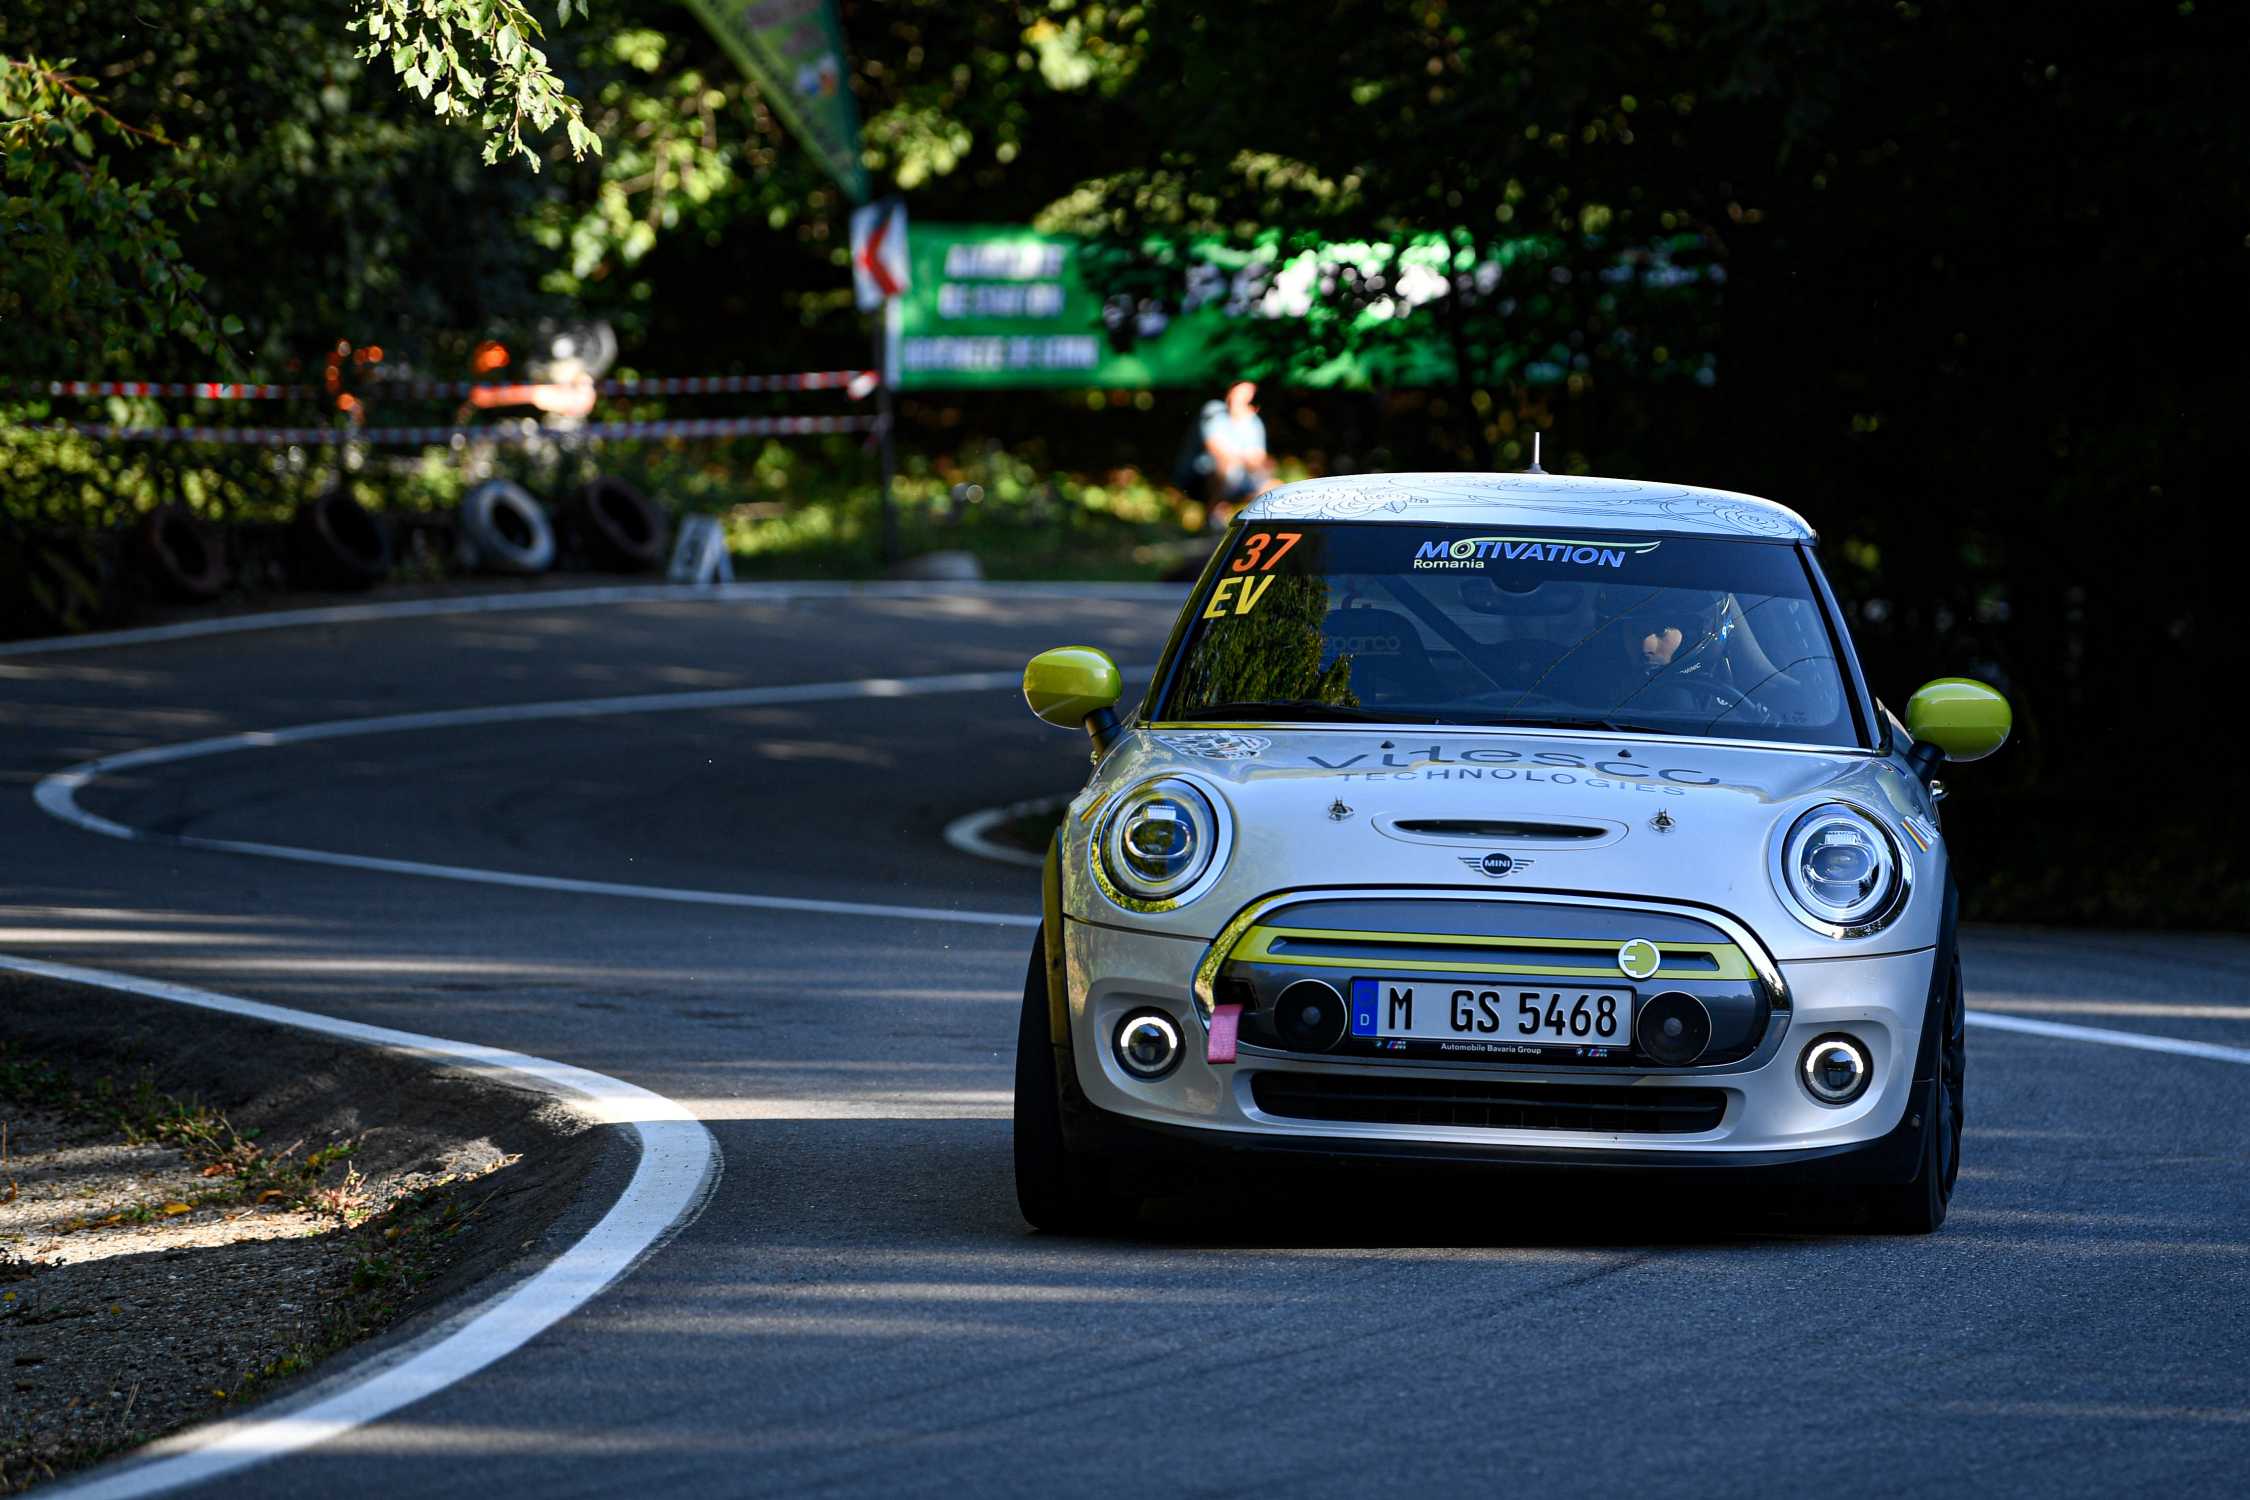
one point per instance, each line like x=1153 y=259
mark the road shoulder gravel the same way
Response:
x=196 y=1210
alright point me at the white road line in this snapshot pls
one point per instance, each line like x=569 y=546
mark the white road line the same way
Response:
x=685 y=896
x=58 y=793
x=971 y=833
x=624 y=593
x=679 y=1165
x=2140 y=1041
x=679 y=1161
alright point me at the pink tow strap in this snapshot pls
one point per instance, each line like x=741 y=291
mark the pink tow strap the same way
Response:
x=1225 y=1019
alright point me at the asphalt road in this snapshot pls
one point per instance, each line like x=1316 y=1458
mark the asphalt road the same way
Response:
x=861 y=1310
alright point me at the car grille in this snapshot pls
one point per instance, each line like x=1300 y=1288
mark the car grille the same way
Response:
x=1487 y=1106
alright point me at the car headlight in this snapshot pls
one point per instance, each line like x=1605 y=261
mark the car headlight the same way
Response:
x=1840 y=871
x=1158 y=842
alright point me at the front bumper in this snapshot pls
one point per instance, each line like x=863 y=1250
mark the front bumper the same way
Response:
x=1768 y=1124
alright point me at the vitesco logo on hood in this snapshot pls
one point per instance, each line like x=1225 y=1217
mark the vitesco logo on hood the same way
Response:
x=1476 y=552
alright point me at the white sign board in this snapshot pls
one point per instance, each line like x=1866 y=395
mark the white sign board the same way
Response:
x=700 y=553
x=878 y=253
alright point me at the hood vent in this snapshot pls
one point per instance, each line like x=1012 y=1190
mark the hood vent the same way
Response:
x=1522 y=832
x=1499 y=830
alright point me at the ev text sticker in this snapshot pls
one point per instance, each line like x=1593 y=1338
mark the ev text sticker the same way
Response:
x=1236 y=596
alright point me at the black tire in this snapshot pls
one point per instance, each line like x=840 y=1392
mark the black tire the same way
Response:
x=54 y=581
x=1919 y=1207
x=1060 y=1190
x=186 y=558
x=622 y=528
x=342 y=543
x=508 y=530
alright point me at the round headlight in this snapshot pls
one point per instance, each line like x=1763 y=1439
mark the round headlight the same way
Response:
x=1159 y=840
x=1841 y=872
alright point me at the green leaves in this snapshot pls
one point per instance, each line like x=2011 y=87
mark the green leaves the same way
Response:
x=427 y=39
x=93 y=270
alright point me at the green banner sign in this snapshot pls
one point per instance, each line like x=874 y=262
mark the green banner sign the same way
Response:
x=793 y=50
x=999 y=307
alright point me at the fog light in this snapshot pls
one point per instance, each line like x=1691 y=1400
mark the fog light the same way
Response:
x=1148 y=1044
x=1835 y=1070
x=1310 y=1016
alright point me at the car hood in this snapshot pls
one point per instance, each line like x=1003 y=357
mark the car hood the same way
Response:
x=1648 y=818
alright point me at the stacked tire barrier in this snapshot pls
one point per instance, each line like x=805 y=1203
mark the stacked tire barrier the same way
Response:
x=333 y=541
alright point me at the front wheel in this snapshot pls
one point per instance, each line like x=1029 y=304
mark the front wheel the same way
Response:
x=1059 y=1190
x=1918 y=1207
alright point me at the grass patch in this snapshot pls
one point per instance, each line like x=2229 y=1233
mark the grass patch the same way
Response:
x=241 y=1169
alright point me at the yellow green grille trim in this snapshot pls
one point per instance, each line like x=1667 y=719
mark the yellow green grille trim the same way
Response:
x=1257 y=946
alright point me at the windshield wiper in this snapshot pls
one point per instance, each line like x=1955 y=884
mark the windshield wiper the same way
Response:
x=1301 y=713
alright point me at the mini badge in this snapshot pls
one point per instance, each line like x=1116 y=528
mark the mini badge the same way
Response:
x=1495 y=865
x=1638 y=958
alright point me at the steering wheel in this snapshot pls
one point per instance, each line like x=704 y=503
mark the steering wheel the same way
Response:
x=1519 y=661
x=1730 y=699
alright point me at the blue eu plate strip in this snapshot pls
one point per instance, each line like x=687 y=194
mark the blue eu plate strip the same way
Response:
x=1363 y=1007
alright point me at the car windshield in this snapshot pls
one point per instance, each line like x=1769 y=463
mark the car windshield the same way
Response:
x=1563 y=629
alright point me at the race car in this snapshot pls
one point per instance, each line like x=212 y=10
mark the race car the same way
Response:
x=1527 y=820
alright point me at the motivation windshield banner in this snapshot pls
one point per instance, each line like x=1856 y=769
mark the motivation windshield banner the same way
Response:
x=794 y=51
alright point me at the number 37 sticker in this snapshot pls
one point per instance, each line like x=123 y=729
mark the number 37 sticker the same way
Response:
x=1260 y=550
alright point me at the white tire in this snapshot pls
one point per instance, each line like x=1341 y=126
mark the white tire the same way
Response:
x=508 y=530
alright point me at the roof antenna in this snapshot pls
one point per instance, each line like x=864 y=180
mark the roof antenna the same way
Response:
x=1534 y=467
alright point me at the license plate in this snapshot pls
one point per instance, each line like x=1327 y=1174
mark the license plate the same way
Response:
x=1539 y=1012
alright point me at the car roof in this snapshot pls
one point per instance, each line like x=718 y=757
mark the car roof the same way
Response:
x=1640 y=505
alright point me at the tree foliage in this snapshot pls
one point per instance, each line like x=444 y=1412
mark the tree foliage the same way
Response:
x=91 y=269
x=506 y=83
x=1954 y=281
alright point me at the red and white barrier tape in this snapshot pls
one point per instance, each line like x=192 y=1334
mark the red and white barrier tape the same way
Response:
x=282 y=437
x=200 y=390
x=857 y=383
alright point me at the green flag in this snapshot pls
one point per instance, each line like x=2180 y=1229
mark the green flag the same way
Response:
x=793 y=50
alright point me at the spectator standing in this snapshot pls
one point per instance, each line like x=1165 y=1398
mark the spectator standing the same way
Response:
x=1234 y=460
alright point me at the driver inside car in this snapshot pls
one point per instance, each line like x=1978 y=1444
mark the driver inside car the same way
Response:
x=1666 y=652
x=1679 y=653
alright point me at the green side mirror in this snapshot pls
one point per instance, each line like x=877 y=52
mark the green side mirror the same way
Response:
x=1957 y=718
x=1072 y=686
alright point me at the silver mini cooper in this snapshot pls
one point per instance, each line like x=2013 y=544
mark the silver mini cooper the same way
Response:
x=1516 y=819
